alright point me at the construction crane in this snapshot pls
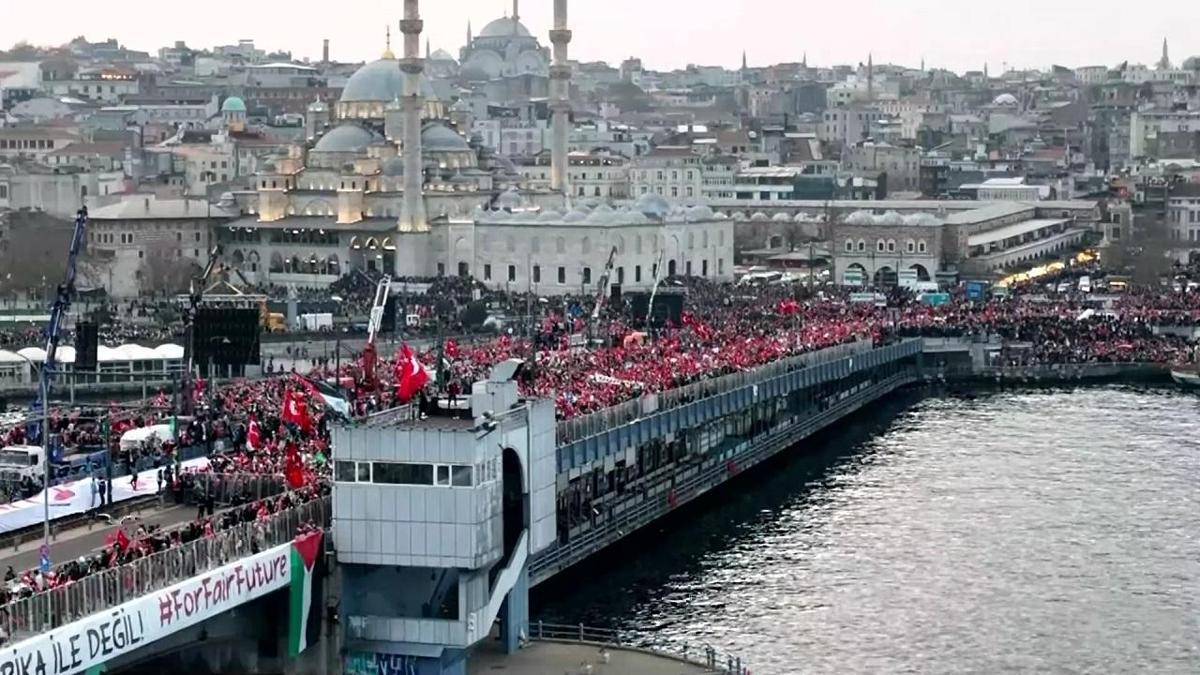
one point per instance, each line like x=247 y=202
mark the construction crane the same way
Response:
x=195 y=294
x=602 y=287
x=62 y=303
x=370 y=354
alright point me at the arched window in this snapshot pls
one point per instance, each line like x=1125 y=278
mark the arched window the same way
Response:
x=691 y=240
x=910 y=246
x=891 y=246
x=921 y=248
x=862 y=245
x=849 y=245
x=585 y=246
x=880 y=246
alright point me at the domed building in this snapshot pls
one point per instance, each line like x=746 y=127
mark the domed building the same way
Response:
x=233 y=114
x=371 y=88
x=504 y=49
x=352 y=196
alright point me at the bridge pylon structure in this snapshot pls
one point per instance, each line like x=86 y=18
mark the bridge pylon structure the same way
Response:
x=438 y=508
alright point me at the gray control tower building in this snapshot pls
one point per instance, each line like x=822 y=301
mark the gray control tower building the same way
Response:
x=436 y=513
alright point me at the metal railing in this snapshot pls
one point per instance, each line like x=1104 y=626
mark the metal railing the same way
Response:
x=108 y=588
x=598 y=422
x=700 y=655
x=229 y=488
x=640 y=509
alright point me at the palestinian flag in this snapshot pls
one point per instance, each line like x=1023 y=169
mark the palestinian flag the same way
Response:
x=334 y=397
x=304 y=629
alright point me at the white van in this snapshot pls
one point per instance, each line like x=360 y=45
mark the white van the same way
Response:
x=1085 y=284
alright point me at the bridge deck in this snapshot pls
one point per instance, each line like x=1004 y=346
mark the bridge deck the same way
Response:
x=81 y=541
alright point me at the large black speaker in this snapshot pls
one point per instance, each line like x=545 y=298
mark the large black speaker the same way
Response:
x=387 y=324
x=227 y=337
x=86 y=346
x=668 y=306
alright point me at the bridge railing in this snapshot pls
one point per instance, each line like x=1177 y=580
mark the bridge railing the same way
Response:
x=109 y=588
x=699 y=654
x=624 y=413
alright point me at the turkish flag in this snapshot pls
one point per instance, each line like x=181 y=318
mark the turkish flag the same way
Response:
x=253 y=435
x=293 y=467
x=411 y=376
x=295 y=410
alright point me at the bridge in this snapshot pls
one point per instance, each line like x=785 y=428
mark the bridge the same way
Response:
x=438 y=527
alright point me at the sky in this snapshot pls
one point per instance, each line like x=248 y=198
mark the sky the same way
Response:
x=956 y=34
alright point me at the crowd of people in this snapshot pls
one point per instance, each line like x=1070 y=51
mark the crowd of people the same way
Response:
x=133 y=541
x=585 y=368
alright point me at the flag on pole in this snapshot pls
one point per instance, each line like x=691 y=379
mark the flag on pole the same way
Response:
x=304 y=628
x=411 y=376
x=253 y=435
x=334 y=397
x=293 y=466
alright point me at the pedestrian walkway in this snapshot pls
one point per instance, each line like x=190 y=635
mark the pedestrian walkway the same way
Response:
x=82 y=540
x=567 y=658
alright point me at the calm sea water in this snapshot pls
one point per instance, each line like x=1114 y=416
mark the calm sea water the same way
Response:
x=1037 y=531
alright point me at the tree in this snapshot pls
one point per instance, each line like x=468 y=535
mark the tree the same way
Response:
x=164 y=270
x=33 y=252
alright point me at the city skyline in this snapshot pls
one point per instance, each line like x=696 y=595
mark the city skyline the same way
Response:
x=670 y=33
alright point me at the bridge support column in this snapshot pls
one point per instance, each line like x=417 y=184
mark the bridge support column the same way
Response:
x=514 y=614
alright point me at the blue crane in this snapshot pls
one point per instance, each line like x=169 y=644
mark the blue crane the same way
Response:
x=62 y=303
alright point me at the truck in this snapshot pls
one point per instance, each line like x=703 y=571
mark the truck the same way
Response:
x=22 y=461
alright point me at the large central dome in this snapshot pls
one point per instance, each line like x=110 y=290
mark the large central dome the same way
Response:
x=505 y=27
x=377 y=81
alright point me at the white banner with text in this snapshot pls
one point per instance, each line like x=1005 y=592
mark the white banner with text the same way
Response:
x=96 y=639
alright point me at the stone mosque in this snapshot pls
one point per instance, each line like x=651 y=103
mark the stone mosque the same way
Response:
x=387 y=181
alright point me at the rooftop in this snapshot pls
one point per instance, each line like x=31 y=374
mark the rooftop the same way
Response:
x=144 y=206
x=1015 y=230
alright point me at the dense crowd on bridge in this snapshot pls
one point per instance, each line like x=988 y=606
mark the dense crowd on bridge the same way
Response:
x=253 y=427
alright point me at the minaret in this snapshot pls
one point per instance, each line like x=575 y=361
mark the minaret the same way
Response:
x=470 y=38
x=744 y=60
x=1165 y=62
x=804 y=61
x=412 y=218
x=560 y=97
x=428 y=49
x=870 y=77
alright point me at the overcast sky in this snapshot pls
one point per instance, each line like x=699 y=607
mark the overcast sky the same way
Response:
x=956 y=34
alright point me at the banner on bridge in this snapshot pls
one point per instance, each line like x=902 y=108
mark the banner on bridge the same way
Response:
x=101 y=637
x=77 y=497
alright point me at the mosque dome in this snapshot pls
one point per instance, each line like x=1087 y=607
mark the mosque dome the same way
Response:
x=442 y=55
x=504 y=27
x=347 y=138
x=381 y=81
x=393 y=166
x=1007 y=100
x=233 y=104
x=653 y=205
x=509 y=199
x=439 y=137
